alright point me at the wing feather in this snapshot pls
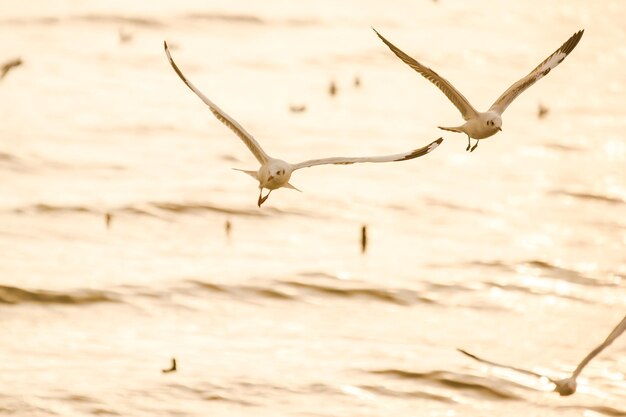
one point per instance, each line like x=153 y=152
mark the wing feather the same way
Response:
x=246 y=137
x=386 y=158
x=461 y=103
x=536 y=74
x=500 y=365
x=617 y=331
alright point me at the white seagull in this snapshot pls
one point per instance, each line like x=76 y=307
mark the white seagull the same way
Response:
x=566 y=386
x=275 y=173
x=482 y=125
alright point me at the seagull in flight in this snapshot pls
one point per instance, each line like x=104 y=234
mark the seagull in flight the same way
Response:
x=275 y=173
x=566 y=386
x=481 y=125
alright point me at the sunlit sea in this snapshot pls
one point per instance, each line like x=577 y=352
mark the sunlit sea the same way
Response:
x=515 y=252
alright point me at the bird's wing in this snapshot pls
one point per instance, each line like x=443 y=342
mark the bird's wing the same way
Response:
x=539 y=72
x=246 y=137
x=386 y=158
x=617 y=331
x=499 y=365
x=461 y=103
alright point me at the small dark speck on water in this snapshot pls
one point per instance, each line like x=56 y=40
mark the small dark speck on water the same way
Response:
x=172 y=368
x=332 y=88
x=228 y=227
x=363 y=238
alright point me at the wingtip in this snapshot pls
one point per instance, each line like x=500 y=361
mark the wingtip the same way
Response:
x=434 y=144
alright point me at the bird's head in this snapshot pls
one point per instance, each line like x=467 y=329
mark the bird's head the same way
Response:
x=495 y=122
x=275 y=174
x=565 y=386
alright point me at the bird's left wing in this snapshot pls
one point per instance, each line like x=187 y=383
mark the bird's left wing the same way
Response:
x=386 y=158
x=221 y=115
x=535 y=75
x=454 y=95
x=499 y=365
x=617 y=331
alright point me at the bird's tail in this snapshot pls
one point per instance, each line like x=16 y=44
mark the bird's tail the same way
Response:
x=288 y=185
x=253 y=174
x=451 y=129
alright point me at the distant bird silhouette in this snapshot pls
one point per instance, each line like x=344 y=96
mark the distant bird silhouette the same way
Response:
x=228 y=226
x=363 y=238
x=108 y=217
x=124 y=36
x=171 y=369
x=332 y=88
x=542 y=111
x=297 y=108
x=9 y=65
x=357 y=81
x=566 y=386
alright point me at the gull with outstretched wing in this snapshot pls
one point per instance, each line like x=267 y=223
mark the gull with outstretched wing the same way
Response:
x=481 y=125
x=565 y=386
x=275 y=173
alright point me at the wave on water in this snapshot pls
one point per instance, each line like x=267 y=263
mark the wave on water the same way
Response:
x=482 y=386
x=48 y=208
x=395 y=296
x=387 y=392
x=235 y=18
x=86 y=18
x=153 y=208
x=591 y=197
x=601 y=409
x=152 y=22
x=15 y=295
x=548 y=270
x=299 y=291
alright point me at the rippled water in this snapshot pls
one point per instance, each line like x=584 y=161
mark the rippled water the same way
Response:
x=515 y=252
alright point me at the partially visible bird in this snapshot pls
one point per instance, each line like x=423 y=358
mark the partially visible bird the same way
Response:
x=565 y=386
x=481 y=125
x=542 y=111
x=9 y=65
x=275 y=173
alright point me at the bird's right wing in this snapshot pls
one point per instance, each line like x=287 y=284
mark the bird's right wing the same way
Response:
x=536 y=74
x=246 y=137
x=461 y=103
x=499 y=365
x=386 y=158
x=617 y=331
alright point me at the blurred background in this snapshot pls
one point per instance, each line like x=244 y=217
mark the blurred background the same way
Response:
x=126 y=238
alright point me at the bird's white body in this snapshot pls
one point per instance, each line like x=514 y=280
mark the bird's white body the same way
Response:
x=481 y=125
x=275 y=173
